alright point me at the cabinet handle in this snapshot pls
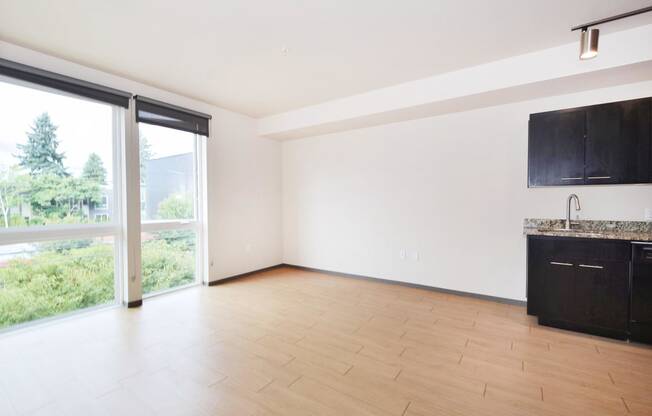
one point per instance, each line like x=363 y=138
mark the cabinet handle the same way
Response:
x=571 y=179
x=556 y=263
x=599 y=177
x=590 y=266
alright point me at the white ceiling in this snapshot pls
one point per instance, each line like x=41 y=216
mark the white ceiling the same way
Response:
x=230 y=52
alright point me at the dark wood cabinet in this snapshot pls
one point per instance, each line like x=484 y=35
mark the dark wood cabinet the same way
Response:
x=601 y=144
x=618 y=142
x=580 y=284
x=558 y=291
x=556 y=155
x=600 y=295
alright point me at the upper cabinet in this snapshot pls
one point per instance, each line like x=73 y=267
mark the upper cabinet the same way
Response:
x=600 y=144
x=556 y=148
x=618 y=142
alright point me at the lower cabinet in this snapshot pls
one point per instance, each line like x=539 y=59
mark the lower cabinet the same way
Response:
x=580 y=284
x=557 y=290
x=601 y=295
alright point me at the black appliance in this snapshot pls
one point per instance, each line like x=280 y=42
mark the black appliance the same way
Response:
x=640 y=325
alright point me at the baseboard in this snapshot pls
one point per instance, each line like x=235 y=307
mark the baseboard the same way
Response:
x=135 y=303
x=239 y=276
x=413 y=285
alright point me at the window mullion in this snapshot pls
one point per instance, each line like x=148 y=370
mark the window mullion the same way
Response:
x=29 y=235
x=131 y=250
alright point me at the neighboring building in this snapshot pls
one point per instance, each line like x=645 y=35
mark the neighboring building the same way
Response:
x=166 y=176
x=100 y=211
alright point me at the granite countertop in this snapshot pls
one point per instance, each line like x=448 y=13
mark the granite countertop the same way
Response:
x=610 y=230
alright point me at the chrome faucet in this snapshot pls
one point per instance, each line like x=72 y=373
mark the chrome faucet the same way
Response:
x=568 y=209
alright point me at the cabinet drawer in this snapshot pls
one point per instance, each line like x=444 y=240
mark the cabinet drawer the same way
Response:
x=559 y=249
x=643 y=254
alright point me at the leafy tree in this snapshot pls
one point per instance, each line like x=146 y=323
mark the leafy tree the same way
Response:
x=9 y=194
x=94 y=170
x=45 y=194
x=81 y=191
x=40 y=154
x=175 y=207
x=58 y=198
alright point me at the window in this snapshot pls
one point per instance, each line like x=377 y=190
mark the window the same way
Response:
x=169 y=205
x=63 y=159
x=59 y=220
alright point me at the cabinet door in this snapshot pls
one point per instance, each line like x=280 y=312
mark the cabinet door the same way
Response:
x=618 y=142
x=600 y=292
x=558 y=278
x=556 y=148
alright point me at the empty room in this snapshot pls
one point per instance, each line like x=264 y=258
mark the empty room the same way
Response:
x=329 y=208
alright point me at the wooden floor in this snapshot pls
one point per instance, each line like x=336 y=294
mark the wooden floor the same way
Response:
x=290 y=342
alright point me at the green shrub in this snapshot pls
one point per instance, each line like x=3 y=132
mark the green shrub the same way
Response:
x=70 y=275
x=167 y=264
x=51 y=283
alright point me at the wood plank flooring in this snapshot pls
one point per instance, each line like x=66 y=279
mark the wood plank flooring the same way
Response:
x=291 y=342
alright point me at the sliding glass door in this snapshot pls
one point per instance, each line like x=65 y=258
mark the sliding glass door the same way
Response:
x=60 y=218
x=169 y=166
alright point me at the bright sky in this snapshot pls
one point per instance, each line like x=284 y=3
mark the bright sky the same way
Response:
x=83 y=127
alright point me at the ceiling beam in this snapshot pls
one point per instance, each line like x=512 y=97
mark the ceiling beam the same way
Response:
x=625 y=57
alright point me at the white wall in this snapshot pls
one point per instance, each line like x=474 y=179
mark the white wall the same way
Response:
x=451 y=187
x=243 y=180
x=244 y=177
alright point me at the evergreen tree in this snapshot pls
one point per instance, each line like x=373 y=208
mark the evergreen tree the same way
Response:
x=40 y=154
x=94 y=170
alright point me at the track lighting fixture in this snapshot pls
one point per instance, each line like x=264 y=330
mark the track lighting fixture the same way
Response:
x=589 y=37
x=589 y=43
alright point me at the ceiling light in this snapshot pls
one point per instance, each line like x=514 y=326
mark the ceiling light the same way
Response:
x=589 y=43
x=589 y=37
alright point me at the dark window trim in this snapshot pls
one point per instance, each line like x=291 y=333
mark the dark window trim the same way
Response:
x=64 y=83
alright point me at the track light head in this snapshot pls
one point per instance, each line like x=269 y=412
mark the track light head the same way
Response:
x=589 y=43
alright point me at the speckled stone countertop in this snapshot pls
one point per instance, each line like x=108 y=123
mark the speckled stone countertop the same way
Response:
x=610 y=230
